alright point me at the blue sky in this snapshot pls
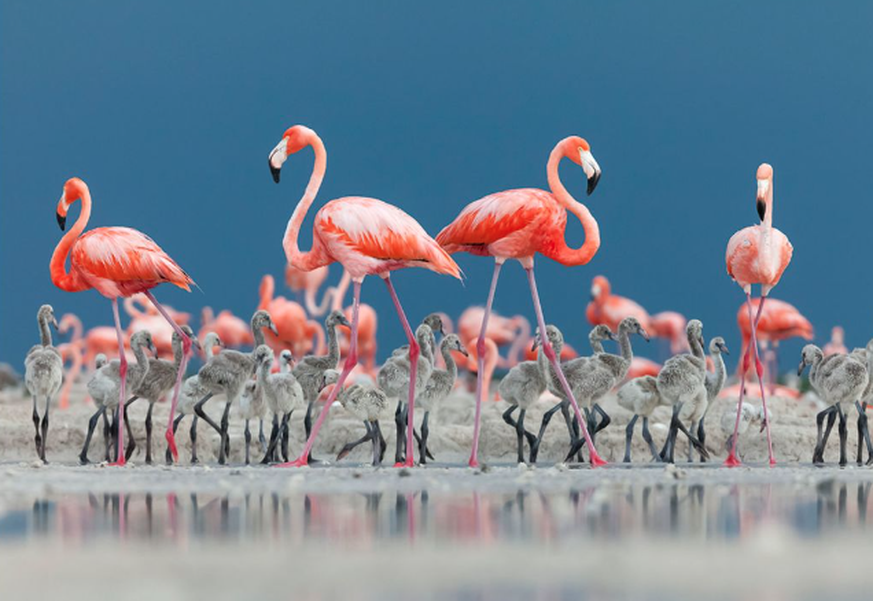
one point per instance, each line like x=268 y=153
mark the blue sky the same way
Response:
x=168 y=110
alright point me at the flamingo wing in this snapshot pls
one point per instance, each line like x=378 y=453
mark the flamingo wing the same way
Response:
x=493 y=218
x=373 y=229
x=125 y=255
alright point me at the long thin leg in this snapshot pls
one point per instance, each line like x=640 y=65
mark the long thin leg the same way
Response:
x=348 y=448
x=378 y=441
x=844 y=435
x=629 y=435
x=745 y=360
x=351 y=361
x=399 y=425
x=107 y=435
x=593 y=456
x=286 y=434
x=307 y=423
x=692 y=440
x=225 y=437
x=521 y=434
x=122 y=374
x=759 y=369
x=261 y=438
x=647 y=436
x=414 y=351
x=422 y=445
x=92 y=424
x=270 y=454
x=131 y=444
x=199 y=412
x=45 y=427
x=148 y=429
x=547 y=417
x=865 y=432
x=701 y=433
x=507 y=417
x=186 y=353
x=691 y=448
x=818 y=453
x=248 y=439
x=37 y=439
x=480 y=360
x=193 y=435
x=169 y=456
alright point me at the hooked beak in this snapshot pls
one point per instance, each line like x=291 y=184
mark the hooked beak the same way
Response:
x=611 y=336
x=535 y=345
x=644 y=334
x=55 y=323
x=277 y=159
x=595 y=292
x=153 y=349
x=761 y=203
x=274 y=329
x=462 y=350
x=343 y=321
x=195 y=344
x=592 y=169
x=723 y=348
x=800 y=368
x=62 y=221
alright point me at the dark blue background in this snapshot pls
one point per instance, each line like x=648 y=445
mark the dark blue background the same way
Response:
x=169 y=109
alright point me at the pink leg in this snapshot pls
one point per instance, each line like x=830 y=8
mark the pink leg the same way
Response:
x=186 y=350
x=759 y=368
x=595 y=459
x=414 y=351
x=732 y=459
x=122 y=373
x=351 y=361
x=480 y=359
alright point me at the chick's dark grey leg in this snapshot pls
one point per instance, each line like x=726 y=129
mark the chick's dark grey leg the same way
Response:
x=629 y=435
x=647 y=436
x=547 y=417
x=92 y=424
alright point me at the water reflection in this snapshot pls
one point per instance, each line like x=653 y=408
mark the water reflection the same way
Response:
x=608 y=511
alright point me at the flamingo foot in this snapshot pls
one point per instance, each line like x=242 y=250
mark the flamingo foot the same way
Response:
x=473 y=462
x=409 y=462
x=120 y=463
x=732 y=461
x=400 y=464
x=299 y=462
x=597 y=460
x=772 y=461
x=171 y=445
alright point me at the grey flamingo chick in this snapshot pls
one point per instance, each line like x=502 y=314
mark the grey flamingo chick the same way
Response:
x=104 y=386
x=309 y=371
x=439 y=386
x=367 y=403
x=640 y=396
x=592 y=380
x=523 y=386
x=226 y=373
x=160 y=379
x=714 y=382
x=865 y=355
x=283 y=395
x=839 y=380
x=749 y=415
x=680 y=381
x=192 y=392
x=43 y=375
x=393 y=379
x=595 y=338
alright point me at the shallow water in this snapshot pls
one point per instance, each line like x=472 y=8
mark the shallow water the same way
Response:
x=444 y=533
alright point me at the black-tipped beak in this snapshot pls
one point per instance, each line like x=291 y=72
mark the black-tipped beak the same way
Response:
x=463 y=351
x=274 y=329
x=153 y=349
x=645 y=335
x=762 y=209
x=62 y=221
x=55 y=324
x=275 y=172
x=195 y=343
x=535 y=345
x=611 y=336
x=800 y=369
x=344 y=322
x=723 y=348
x=442 y=330
x=592 y=183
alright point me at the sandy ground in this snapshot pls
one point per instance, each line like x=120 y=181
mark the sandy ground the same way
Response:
x=450 y=432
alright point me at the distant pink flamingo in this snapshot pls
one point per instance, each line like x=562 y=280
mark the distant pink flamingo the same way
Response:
x=671 y=325
x=837 y=344
x=117 y=262
x=233 y=331
x=609 y=309
x=517 y=224
x=145 y=317
x=296 y=332
x=368 y=237
x=308 y=283
x=101 y=339
x=757 y=254
x=73 y=351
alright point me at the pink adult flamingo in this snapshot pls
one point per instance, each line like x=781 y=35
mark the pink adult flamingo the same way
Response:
x=609 y=309
x=117 y=262
x=671 y=325
x=232 y=330
x=837 y=343
x=73 y=351
x=368 y=237
x=144 y=317
x=757 y=254
x=100 y=339
x=517 y=224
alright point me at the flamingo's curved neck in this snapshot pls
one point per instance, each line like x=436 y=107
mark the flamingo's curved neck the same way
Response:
x=141 y=360
x=70 y=281
x=596 y=343
x=258 y=335
x=314 y=308
x=306 y=261
x=45 y=333
x=563 y=253
x=268 y=285
x=720 y=372
x=522 y=338
x=624 y=344
x=451 y=366
x=333 y=351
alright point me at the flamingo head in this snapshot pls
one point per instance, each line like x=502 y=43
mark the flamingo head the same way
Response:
x=294 y=139
x=453 y=343
x=143 y=338
x=810 y=355
x=74 y=189
x=717 y=346
x=600 y=332
x=263 y=356
x=694 y=331
x=765 y=189
x=435 y=321
x=67 y=321
x=261 y=319
x=556 y=339
x=579 y=151
x=286 y=357
x=600 y=288
x=47 y=314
